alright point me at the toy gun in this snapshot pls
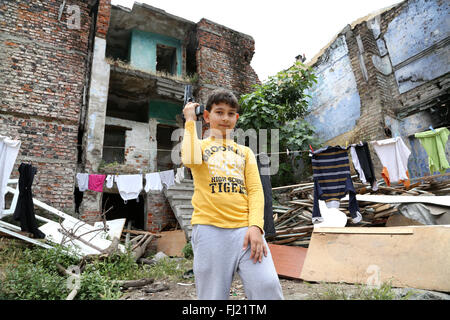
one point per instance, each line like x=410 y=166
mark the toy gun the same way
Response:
x=188 y=97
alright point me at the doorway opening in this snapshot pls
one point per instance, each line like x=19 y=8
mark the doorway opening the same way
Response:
x=132 y=210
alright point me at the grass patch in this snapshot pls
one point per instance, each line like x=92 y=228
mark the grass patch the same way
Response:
x=170 y=269
x=360 y=292
x=30 y=273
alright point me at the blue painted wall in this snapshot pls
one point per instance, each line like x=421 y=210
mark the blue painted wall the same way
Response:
x=335 y=103
x=419 y=26
x=142 y=52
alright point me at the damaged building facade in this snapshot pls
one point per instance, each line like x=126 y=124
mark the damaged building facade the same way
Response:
x=383 y=76
x=106 y=96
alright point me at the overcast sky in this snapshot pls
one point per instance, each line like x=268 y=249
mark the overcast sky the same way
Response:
x=282 y=29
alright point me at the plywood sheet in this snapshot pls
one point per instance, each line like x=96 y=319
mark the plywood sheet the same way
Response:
x=438 y=200
x=172 y=243
x=417 y=259
x=288 y=260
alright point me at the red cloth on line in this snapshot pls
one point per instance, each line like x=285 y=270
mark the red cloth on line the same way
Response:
x=96 y=182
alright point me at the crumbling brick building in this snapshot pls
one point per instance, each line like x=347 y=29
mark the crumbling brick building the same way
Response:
x=385 y=75
x=92 y=87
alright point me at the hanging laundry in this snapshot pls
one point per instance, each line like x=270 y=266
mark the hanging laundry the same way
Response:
x=179 y=175
x=83 y=181
x=393 y=154
x=264 y=174
x=109 y=181
x=129 y=185
x=96 y=182
x=78 y=197
x=434 y=144
x=332 y=181
x=167 y=178
x=24 y=211
x=362 y=162
x=9 y=150
x=153 y=182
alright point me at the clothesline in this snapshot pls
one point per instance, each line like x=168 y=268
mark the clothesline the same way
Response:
x=129 y=185
x=145 y=149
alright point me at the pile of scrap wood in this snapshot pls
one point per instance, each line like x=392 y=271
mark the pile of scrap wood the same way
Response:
x=293 y=213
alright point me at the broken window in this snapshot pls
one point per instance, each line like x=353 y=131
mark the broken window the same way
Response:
x=164 y=141
x=166 y=59
x=114 y=144
x=122 y=104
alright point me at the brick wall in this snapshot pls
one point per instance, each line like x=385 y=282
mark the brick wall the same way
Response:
x=103 y=16
x=159 y=212
x=43 y=66
x=223 y=59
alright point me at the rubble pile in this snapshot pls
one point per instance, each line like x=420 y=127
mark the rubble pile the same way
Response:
x=293 y=211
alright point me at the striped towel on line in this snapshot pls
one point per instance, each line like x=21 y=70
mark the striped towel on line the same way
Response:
x=332 y=181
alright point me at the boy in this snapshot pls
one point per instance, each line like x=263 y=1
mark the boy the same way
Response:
x=227 y=233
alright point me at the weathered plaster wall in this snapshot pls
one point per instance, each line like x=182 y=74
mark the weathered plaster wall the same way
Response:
x=95 y=127
x=399 y=61
x=335 y=103
x=143 y=50
x=137 y=138
x=410 y=35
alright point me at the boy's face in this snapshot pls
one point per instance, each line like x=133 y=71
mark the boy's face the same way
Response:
x=222 y=117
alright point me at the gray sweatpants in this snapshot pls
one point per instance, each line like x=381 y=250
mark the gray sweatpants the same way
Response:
x=218 y=255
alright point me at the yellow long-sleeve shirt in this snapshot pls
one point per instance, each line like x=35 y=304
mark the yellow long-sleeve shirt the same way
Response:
x=227 y=188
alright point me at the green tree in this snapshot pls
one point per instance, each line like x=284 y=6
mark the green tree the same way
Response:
x=282 y=103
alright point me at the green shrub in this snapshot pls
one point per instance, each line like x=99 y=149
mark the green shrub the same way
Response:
x=187 y=251
x=94 y=286
x=33 y=282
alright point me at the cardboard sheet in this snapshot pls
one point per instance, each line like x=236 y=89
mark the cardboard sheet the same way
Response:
x=172 y=243
x=413 y=256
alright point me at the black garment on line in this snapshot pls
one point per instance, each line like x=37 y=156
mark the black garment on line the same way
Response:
x=24 y=211
x=365 y=161
x=269 y=226
x=78 y=195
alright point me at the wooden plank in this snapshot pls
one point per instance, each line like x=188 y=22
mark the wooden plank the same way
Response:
x=288 y=260
x=416 y=260
x=365 y=230
x=439 y=200
x=141 y=232
x=115 y=227
x=25 y=238
x=385 y=213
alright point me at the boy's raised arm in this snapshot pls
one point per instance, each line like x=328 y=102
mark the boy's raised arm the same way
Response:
x=191 y=151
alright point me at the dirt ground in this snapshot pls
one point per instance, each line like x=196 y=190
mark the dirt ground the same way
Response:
x=292 y=290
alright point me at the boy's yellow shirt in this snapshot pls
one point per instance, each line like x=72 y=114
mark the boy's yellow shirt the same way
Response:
x=227 y=188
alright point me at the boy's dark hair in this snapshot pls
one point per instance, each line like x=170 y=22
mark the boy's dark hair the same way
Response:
x=222 y=96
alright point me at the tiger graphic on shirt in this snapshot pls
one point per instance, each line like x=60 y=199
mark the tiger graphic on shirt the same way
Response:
x=226 y=165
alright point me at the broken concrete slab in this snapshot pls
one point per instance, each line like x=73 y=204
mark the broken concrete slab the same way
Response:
x=69 y=231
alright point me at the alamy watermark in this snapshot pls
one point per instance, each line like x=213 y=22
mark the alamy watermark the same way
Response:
x=73 y=17
x=375 y=275
x=74 y=280
x=257 y=142
x=73 y=12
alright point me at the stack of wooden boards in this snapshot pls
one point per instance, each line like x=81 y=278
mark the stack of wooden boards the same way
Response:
x=293 y=211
